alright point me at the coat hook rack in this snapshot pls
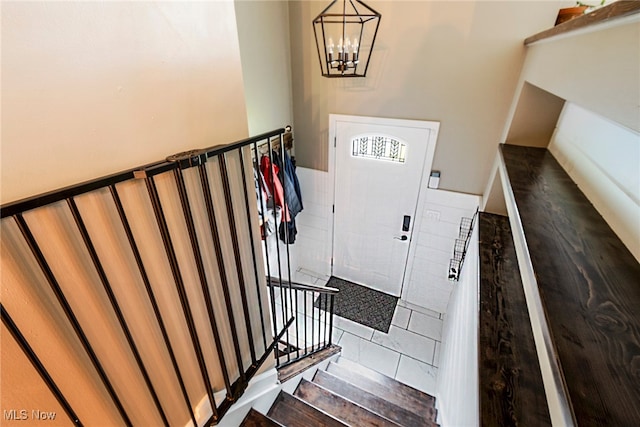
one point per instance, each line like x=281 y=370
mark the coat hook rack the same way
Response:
x=287 y=140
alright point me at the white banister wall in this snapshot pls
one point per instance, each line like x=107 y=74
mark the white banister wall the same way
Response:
x=457 y=395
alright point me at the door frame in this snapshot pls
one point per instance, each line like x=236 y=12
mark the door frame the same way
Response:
x=432 y=126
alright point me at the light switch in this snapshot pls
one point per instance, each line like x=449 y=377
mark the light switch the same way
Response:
x=433 y=215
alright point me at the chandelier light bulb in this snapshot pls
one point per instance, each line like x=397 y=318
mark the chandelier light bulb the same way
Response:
x=330 y=47
x=356 y=46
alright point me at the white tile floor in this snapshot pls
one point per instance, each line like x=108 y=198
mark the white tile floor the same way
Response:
x=409 y=352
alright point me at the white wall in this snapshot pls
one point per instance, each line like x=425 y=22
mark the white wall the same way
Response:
x=91 y=88
x=263 y=33
x=457 y=396
x=603 y=158
x=597 y=70
x=455 y=62
x=312 y=250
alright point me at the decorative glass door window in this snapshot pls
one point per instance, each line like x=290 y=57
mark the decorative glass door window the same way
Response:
x=379 y=148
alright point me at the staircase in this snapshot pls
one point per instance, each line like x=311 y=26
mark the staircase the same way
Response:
x=348 y=394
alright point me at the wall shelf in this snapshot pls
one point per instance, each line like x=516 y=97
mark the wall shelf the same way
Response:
x=602 y=15
x=580 y=283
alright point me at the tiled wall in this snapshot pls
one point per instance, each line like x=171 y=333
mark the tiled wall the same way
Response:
x=436 y=228
x=312 y=249
x=435 y=231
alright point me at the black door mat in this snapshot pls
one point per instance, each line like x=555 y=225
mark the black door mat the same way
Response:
x=361 y=304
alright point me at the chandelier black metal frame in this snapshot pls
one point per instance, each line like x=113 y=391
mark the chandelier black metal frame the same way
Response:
x=354 y=26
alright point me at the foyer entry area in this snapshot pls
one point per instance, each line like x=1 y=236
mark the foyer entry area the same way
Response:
x=380 y=166
x=414 y=349
x=409 y=352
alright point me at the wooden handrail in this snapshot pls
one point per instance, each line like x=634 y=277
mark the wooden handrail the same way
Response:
x=274 y=281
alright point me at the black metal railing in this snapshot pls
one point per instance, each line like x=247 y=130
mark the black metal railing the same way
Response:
x=197 y=211
x=312 y=306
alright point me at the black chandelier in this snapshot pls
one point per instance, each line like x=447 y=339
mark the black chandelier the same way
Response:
x=345 y=33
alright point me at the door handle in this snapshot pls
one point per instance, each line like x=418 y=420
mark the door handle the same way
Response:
x=403 y=238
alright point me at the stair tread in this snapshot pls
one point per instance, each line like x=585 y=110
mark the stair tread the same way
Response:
x=294 y=412
x=256 y=419
x=293 y=369
x=387 y=388
x=341 y=408
x=372 y=402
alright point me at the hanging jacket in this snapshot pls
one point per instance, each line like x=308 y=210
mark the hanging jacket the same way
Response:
x=288 y=231
x=290 y=170
x=270 y=174
x=290 y=194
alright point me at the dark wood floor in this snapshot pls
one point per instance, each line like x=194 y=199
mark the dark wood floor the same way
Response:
x=590 y=287
x=511 y=387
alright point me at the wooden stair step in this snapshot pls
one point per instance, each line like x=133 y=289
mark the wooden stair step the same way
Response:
x=256 y=419
x=341 y=408
x=293 y=412
x=293 y=369
x=382 y=386
x=372 y=402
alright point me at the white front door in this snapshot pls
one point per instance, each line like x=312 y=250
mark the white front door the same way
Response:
x=380 y=165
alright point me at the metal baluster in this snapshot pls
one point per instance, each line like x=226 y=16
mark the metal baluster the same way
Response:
x=306 y=320
x=215 y=235
x=296 y=296
x=114 y=304
x=177 y=277
x=37 y=364
x=224 y=174
x=331 y=319
x=253 y=249
x=152 y=298
x=286 y=233
x=313 y=321
x=204 y=283
x=263 y=204
x=62 y=300
x=326 y=323
x=283 y=299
